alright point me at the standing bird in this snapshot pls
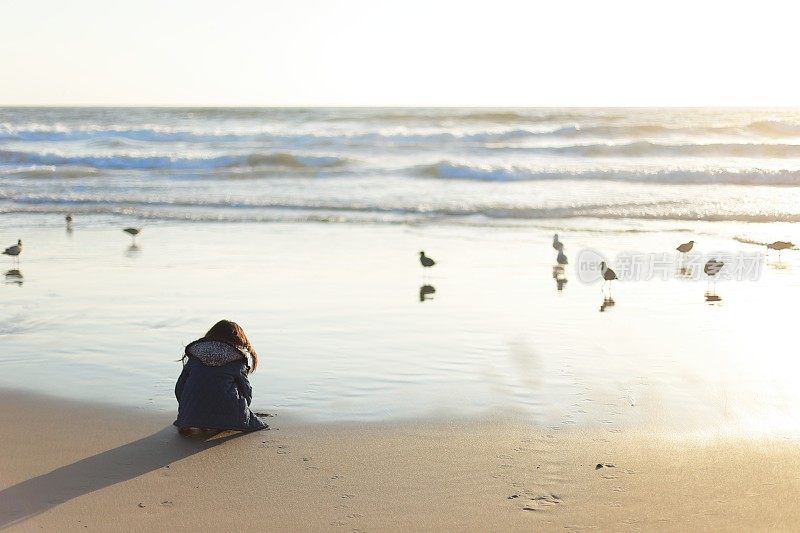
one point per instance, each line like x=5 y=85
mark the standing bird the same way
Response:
x=608 y=275
x=684 y=249
x=557 y=245
x=68 y=219
x=779 y=245
x=14 y=251
x=426 y=261
x=133 y=232
x=711 y=269
x=561 y=258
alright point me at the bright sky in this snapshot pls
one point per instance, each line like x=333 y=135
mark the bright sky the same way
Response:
x=398 y=52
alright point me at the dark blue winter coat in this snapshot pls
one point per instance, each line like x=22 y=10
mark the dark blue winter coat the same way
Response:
x=213 y=390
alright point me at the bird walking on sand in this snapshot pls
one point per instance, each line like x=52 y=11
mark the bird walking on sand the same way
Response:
x=133 y=232
x=779 y=245
x=561 y=258
x=712 y=268
x=608 y=275
x=426 y=261
x=557 y=245
x=14 y=251
x=685 y=247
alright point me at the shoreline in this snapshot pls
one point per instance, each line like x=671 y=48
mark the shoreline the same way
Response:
x=76 y=466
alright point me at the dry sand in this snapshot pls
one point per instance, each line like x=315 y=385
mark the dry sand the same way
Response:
x=67 y=466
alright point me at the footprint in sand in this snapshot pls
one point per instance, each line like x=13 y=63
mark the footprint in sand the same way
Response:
x=283 y=449
x=307 y=463
x=540 y=503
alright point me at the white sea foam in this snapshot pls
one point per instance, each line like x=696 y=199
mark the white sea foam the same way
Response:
x=403 y=164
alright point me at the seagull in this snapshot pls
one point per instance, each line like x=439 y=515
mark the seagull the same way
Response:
x=15 y=250
x=558 y=245
x=685 y=247
x=779 y=245
x=426 y=261
x=561 y=259
x=133 y=232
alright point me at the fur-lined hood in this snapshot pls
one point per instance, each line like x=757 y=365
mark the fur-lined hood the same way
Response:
x=217 y=353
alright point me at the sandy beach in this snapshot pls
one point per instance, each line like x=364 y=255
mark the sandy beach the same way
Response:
x=498 y=390
x=69 y=466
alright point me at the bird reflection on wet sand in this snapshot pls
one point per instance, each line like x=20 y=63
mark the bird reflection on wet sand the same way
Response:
x=560 y=277
x=712 y=297
x=14 y=277
x=133 y=250
x=608 y=302
x=426 y=292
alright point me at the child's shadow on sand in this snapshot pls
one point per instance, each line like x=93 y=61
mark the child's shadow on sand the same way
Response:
x=36 y=495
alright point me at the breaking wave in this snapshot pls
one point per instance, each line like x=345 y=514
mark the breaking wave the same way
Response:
x=459 y=171
x=278 y=159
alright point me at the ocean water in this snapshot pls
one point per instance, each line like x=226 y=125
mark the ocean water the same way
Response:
x=304 y=225
x=475 y=166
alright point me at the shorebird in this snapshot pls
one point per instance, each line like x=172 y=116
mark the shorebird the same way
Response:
x=712 y=268
x=561 y=259
x=68 y=219
x=426 y=261
x=14 y=251
x=558 y=245
x=608 y=275
x=684 y=249
x=779 y=245
x=133 y=232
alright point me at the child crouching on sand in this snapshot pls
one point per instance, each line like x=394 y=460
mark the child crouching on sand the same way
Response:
x=213 y=391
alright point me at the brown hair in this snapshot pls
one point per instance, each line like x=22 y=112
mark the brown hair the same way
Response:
x=233 y=334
